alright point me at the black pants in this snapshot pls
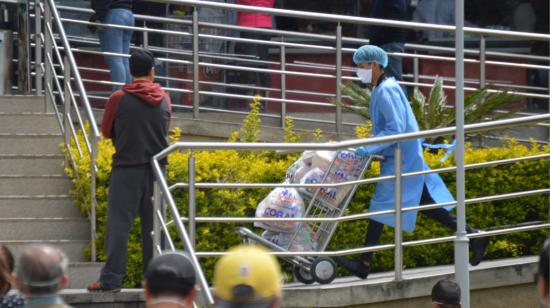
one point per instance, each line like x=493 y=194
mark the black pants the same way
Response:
x=441 y=215
x=257 y=50
x=130 y=192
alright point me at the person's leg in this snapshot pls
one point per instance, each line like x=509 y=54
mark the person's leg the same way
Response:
x=372 y=238
x=126 y=38
x=479 y=245
x=361 y=266
x=146 y=214
x=395 y=63
x=124 y=186
x=111 y=40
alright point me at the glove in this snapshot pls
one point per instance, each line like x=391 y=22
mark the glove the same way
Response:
x=362 y=151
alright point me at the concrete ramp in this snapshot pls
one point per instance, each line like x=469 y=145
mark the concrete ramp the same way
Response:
x=501 y=283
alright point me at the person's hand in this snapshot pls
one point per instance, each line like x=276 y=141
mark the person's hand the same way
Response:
x=93 y=28
x=362 y=151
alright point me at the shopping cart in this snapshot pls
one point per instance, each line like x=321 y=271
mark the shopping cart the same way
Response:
x=317 y=269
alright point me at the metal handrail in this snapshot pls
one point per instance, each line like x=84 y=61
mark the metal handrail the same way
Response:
x=163 y=189
x=470 y=128
x=357 y=20
x=283 y=72
x=69 y=69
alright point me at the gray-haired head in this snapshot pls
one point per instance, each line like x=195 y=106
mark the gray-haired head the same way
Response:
x=42 y=270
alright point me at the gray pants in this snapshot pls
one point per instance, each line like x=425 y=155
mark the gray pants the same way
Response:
x=130 y=192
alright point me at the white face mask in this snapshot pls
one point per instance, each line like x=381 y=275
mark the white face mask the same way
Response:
x=365 y=75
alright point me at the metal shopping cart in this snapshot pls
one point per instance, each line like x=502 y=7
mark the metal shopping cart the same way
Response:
x=318 y=269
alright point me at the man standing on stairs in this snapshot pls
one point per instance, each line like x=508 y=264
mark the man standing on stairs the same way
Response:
x=136 y=118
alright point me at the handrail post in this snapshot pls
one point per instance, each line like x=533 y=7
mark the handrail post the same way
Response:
x=145 y=35
x=23 y=52
x=398 y=255
x=196 y=76
x=482 y=60
x=48 y=53
x=283 y=86
x=192 y=202
x=93 y=201
x=38 y=47
x=156 y=223
x=416 y=72
x=338 y=78
x=461 y=242
x=67 y=101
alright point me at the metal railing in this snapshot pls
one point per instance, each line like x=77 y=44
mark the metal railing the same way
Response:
x=56 y=73
x=163 y=193
x=52 y=60
x=289 y=69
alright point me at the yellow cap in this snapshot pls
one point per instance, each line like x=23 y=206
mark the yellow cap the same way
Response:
x=247 y=267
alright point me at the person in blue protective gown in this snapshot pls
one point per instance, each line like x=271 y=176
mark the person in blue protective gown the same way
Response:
x=391 y=114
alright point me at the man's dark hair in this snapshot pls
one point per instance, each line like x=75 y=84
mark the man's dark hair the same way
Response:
x=446 y=294
x=544 y=270
x=6 y=269
x=141 y=62
x=170 y=273
x=6 y=254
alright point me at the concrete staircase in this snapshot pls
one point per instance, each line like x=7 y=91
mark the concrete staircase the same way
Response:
x=35 y=205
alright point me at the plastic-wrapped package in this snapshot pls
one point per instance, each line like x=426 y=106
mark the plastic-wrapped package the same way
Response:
x=346 y=167
x=282 y=202
x=303 y=241
x=300 y=167
x=322 y=159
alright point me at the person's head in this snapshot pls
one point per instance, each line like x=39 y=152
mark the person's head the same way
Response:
x=41 y=270
x=6 y=269
x=371 y=61
x=7 y=256
x=142 y=64
x=543 y=281
x=446 y=294
x=247 y=277
x=170 y=281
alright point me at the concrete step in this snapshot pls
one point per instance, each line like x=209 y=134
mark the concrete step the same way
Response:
x=23 y=229
x=16 y=185
x=30 y=143
x=22 y=103
x=31 y=164
x=30 y=206
x=81 y=274
x=74 y=249
x=126 y=298
x=25 y=123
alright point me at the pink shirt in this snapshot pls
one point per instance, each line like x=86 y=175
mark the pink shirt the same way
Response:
x=255 y=20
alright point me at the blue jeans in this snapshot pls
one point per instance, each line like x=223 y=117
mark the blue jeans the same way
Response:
x=117 y=41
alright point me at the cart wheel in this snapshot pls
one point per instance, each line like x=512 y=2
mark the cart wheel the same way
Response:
x=302 y=275
x=323 y=270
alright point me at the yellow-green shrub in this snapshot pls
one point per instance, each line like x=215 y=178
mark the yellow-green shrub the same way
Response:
x=267 y=167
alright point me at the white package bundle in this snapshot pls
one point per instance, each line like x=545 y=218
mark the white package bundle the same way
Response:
x=300 y=167
x=281 y=202
x=302 y=242
x=322 y=159
x=347 y=167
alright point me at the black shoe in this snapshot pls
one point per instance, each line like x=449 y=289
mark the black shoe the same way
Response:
x=357 y=268
x=479 y=246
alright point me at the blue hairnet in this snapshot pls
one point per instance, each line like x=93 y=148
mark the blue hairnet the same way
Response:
x=370 y=53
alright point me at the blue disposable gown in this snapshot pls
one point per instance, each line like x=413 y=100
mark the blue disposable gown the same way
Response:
x=391 y=114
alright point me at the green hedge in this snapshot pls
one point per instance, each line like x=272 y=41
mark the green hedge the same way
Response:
x=268 y=167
